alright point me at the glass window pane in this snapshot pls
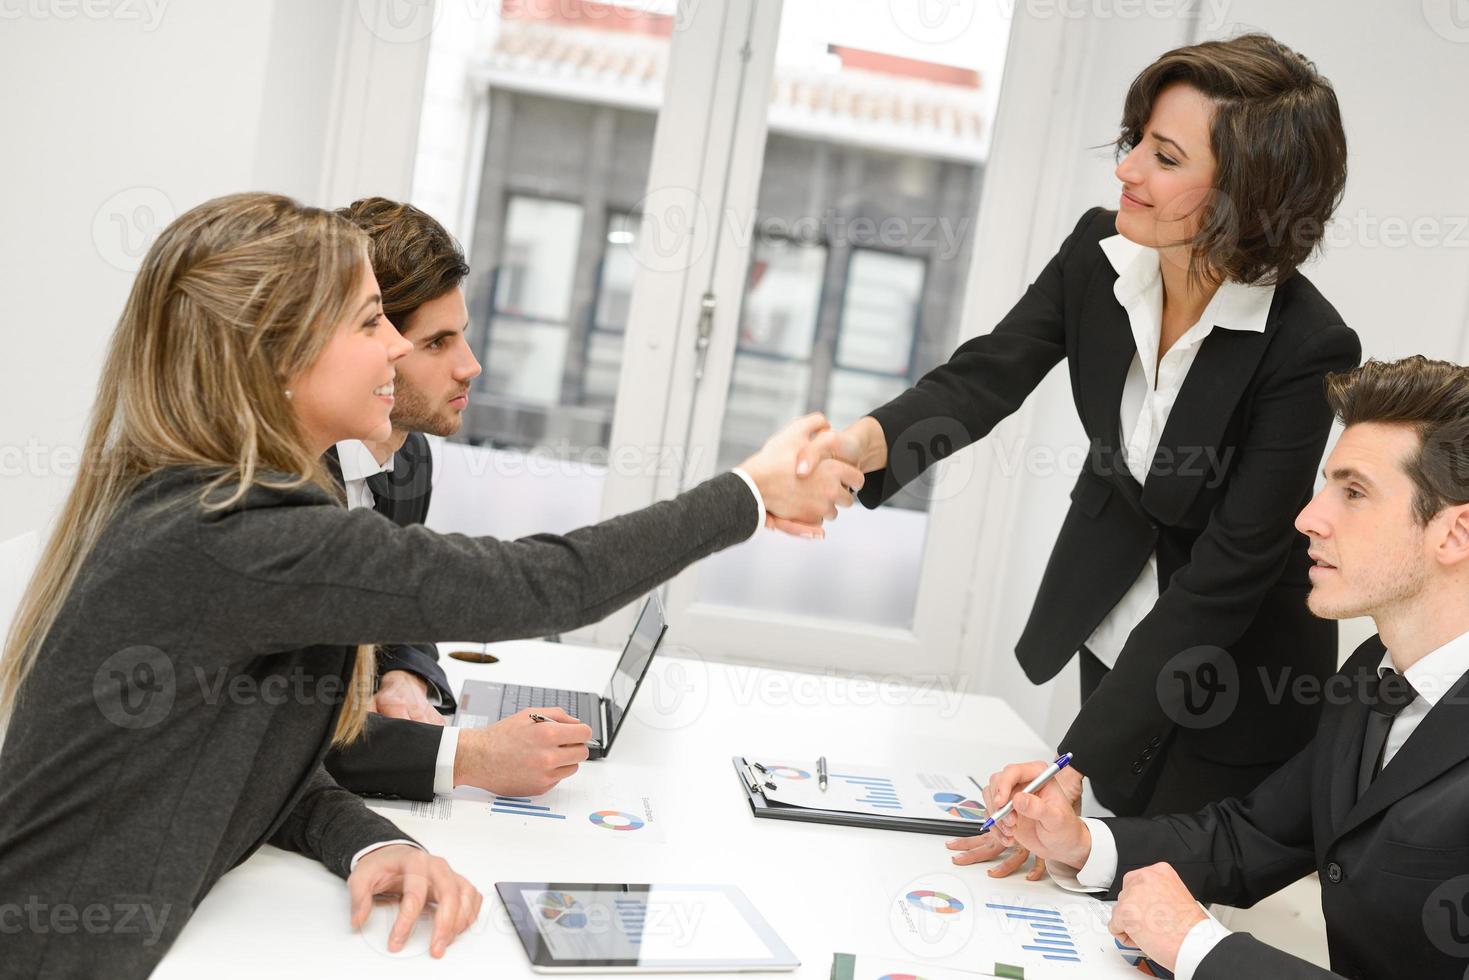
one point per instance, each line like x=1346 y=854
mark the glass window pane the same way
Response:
x=878 y=134
x=782 y=299
x=614 y=295
x=604 y=367
x=852 y=394
x=764 y=394
x=880 y=311
x=539 y=258
x=526 y=360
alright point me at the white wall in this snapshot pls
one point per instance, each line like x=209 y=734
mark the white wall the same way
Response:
x=118 y=127
x=114 y=124
x=1400 y=84
x=119 y=116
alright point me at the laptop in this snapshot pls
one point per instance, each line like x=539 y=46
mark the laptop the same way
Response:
x=603 y=712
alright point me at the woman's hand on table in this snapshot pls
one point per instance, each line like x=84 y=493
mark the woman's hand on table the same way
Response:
x=419 y=878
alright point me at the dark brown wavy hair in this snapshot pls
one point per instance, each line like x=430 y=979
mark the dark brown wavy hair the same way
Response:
x=1279 y=147
x=1430 y=396
x=414 y=258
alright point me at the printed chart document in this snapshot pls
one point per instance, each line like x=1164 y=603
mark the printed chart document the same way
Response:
x=872 y=790
x=589 y=804
x=1035 y=933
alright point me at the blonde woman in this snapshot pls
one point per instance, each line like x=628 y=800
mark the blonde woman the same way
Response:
x=195 y=635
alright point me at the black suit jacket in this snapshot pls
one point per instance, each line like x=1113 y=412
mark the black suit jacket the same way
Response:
x=396 y=757
x=1236 y=463
x=1394 y=864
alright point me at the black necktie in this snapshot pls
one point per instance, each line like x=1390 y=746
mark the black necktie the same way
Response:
x=1389 y=697
x=384 y=493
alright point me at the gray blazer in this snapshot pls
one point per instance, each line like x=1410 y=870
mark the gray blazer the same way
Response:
x=177 y=716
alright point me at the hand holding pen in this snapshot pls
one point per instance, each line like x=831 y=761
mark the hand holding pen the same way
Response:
x=1045 y=776
x=1064 y=789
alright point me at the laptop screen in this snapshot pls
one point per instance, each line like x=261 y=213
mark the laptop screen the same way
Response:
x=634 y=662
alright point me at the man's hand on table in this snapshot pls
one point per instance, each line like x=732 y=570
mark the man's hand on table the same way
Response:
x=419 y=878
x=519 y=757
x=1154 y=912
x=1064 y=790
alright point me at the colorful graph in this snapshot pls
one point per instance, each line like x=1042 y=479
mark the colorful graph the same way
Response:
x=1047 y=932
x=935 y=902
x=957 y=805
x=615 y=820
x=631 y=914
x=787 y=772
x=877 y=791
x=1139 y=960
x=562 y=909
x=524 y=807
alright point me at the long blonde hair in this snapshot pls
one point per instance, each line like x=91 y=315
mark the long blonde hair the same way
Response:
x=233 y=298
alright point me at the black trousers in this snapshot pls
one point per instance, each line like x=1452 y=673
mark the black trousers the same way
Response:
x=1181 y=781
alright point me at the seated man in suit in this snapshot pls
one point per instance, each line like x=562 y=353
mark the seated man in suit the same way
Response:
x=1378 y=802
x=407 y=750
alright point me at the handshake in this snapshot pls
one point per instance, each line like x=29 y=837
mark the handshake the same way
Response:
x=808 y=470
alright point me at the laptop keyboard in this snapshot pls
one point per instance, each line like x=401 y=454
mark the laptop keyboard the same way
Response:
x=518 y=698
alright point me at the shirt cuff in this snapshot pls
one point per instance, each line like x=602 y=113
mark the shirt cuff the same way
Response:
x=1101 y=864
x=1199 y=943
x=444 y=764
x=377 y=847
x=759 y=500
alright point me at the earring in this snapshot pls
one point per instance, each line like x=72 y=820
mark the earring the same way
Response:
x=288 y=394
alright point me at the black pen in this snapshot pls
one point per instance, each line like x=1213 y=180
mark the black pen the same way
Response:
x=821 y=773
x=593 y=743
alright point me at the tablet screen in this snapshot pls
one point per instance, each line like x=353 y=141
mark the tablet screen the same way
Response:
x=642 y=927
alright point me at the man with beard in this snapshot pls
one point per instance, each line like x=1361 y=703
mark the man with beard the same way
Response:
x=408 y=751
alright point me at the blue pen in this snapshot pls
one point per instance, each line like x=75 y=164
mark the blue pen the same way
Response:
x=1031 y=787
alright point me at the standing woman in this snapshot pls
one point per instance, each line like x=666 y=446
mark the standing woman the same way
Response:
x=1196 y=353
x=193 y=638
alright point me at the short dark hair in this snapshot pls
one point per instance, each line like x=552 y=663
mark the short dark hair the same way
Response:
x=1279 y=148
x=1430 y=396
x=414 y=258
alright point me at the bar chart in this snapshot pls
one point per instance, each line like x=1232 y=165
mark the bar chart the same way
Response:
x=632 y=914
x=524 y=806
x=1043 y=932
x=875 y=791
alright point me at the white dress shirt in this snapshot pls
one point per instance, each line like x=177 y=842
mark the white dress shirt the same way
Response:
x=1151 y=389
x=1431 y=677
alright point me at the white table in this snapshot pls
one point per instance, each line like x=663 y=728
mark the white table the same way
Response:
x=823 y=888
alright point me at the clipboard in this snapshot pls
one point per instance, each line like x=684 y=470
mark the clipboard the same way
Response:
x=762 y=807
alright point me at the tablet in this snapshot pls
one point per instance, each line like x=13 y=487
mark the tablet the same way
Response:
x=579 y=927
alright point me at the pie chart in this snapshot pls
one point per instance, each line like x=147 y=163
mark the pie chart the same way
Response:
x=562 y=909
x=615 y=820
x=958 y=805
x=935 y=902
x=787 y=772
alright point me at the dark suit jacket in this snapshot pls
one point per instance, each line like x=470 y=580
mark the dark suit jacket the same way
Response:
x=1394 y=864
x=410 y=488
x=396 y=757
x=1235 y=465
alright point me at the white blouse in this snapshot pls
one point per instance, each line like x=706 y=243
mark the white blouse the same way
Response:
x=1152 y=388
